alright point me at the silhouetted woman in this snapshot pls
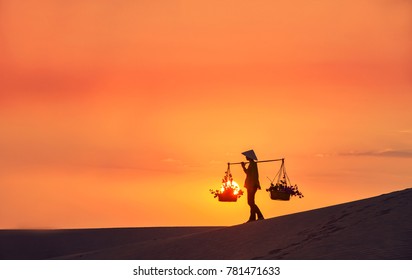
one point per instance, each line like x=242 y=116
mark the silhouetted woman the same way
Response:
x=252 y=185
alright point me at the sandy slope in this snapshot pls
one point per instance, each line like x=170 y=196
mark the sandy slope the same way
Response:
x=45 y=244
x=374 y=228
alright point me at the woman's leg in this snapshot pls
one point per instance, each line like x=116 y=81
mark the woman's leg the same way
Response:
x=254 y=209
x=259 y=214
x=251 y=201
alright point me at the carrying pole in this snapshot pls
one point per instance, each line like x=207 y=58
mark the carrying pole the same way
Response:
x=259 y=161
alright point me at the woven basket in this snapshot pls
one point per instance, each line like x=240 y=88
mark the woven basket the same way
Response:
x=227 y=196
x=279 y=195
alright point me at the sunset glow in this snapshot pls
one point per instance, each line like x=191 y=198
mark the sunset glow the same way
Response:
x=123 y=114
x=233 y=185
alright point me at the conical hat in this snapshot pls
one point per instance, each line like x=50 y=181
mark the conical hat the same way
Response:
x=250 y=154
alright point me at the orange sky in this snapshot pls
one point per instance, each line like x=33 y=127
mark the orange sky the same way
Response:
x=124 y=113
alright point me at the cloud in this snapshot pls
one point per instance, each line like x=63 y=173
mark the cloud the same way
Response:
x=170 y=160
x=46 y=83
x=323 y=155
x=406 y=131
x=405 y=153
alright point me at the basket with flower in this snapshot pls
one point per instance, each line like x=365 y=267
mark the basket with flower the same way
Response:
x=229 y=190
x=283 y=189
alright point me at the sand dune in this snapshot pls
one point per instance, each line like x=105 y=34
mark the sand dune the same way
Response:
x=373 y=228
x=46 y=244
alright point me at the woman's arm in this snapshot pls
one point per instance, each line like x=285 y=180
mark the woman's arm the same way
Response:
x=243 y=166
